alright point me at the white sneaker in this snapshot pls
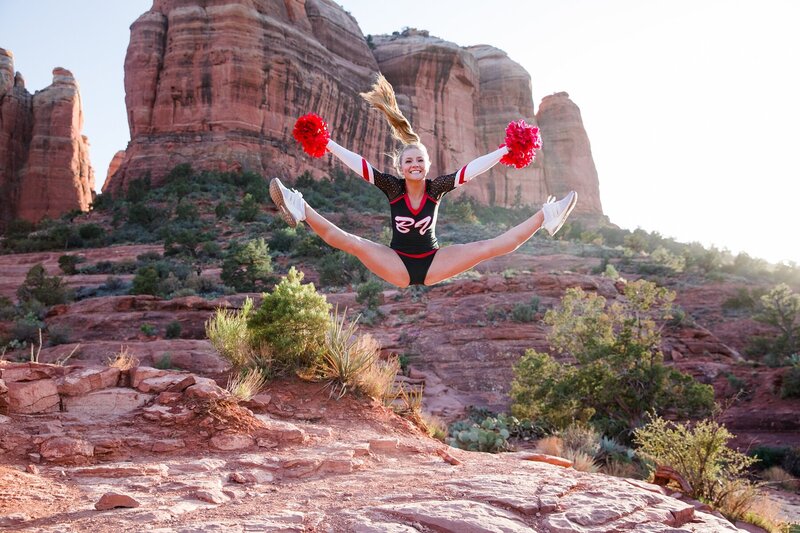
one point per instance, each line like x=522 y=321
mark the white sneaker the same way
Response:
x=556 y=213
x=290 y=202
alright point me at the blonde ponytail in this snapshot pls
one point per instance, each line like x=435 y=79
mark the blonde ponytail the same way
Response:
x=382 y=98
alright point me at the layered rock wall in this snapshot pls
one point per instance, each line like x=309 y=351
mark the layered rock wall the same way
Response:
x=219 y=84
x=568 y=162
x=44 y=159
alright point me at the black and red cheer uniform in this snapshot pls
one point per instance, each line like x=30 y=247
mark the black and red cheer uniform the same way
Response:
x=414 y=230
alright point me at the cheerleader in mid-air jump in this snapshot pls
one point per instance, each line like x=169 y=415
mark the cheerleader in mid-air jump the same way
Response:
x=414 y=256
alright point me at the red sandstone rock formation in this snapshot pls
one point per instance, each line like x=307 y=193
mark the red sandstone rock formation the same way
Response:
x=220 y=86
x=44 y=159
x=567 y=160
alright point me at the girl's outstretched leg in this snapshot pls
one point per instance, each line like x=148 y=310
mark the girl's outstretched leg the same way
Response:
x=379 y=259
x=455 y=259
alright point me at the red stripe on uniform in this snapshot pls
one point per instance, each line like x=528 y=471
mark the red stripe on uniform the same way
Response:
x=417 y=256
x=461 y=175
x=364 y=169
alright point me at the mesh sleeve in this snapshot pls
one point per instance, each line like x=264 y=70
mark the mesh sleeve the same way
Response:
x=442 y=185
x=391 y=186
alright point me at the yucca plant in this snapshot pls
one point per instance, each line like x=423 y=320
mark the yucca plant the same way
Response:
x=345 y=357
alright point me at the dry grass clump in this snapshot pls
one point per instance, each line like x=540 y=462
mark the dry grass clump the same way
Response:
x=551 y=445
x=246 y=384
x=435 y=426
x=778 y=477
x=581 y=460
x=377 y=380
x=764 y=513
x=123 y=360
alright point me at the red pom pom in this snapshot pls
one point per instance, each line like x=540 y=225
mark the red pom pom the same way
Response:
x=522 y=140
x=312 y=133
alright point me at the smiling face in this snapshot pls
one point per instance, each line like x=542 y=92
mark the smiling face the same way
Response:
x=414 y=163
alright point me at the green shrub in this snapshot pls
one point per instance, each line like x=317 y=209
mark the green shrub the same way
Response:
x=369 y=293
x=221 y=210
x=164 y=362
x=186 y=212
x=283 y=239
x=619 y=374
x=525 y=312
x=68 y=263
x=146 y=281
x=173 y=330
x=228 y=332
x=7 y=308
x=247 y=267
x=790 y=387
x=340 y=268
x=148 y=329
x=780 y=308
x=49 y=290
x=292 y=321
x=700 y=454
x=248 y=211
x=91 y=231
x=58 y=335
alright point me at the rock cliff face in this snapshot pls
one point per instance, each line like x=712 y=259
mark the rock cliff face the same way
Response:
x=220 y=86
x=568 y=162
x=44 y=159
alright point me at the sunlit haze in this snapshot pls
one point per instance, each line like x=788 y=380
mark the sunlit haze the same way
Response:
x=691 y=106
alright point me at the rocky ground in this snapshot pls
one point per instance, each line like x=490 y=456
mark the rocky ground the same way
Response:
x=166 y=454
x=304 y=462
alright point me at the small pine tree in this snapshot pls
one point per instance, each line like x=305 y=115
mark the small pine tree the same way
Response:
x=291 y=322
x=49 y=290
x=247 y=267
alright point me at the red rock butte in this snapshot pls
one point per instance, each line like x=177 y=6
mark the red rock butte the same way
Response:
x=219 y=84
x=44 y=158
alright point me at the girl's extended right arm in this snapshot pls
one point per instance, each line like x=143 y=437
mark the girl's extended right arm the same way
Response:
x=355 y=162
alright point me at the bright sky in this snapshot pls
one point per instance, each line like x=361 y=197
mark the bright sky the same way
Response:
x=692 y=106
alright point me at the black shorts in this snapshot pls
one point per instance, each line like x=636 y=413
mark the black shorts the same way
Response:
x=417 y=265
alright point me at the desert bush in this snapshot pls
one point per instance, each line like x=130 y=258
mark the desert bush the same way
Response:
x=780 y=308
x=346 y=357
x=619 y=373
x=551 y=445
x=581 y=438
x=377 y=381
x=228 y=332
x=91 y=231
x=7 y=308
x=700 y=454
x=283 y=239
x=58 y=335
x=778 y=477
x=525 y=312
x=790 y=383
x=369 y=293
x=123 y=359
x=248 y=210
x=148 y=329
x=246 y=383
x=339 y=268
x=49 y=290
x=292 y=321
x=145 y=281
x=68 y=263
x=247 y=267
